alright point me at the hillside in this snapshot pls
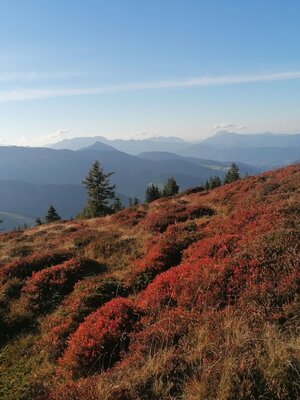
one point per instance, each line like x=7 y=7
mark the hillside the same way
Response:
x=192 y=297
x=33 y=178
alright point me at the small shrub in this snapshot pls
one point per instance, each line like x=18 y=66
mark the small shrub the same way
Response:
x=87 y=296
x=46 y=288
x=129 y=216
x=99 y=340
x=24 y=267
x=174 y=213
x=160 y=257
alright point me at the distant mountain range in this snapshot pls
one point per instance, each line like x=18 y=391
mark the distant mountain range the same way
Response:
x=131 y=146
x=32 y=178
x=264 y=150
x=267 y=139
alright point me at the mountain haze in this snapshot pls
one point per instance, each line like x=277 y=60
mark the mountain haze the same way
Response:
x=264 y=150
x=33 y=178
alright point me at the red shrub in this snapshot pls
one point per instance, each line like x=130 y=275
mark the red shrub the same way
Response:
x=217 y=247
x=129 y=216
x=166 y=252
x=24 y=267
x=86 y=297
x=160 y=257
x=186 y=285
x=271 y=295
x=173 y=213
x=47 y=287
x=98 y=341
x=197 y=286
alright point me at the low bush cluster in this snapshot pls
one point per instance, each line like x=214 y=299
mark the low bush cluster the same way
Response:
x=87 y=296
x=24 y=267
x=129 y=217
x=100 y=339
x=172 y=213
x=159 y=258
x=46 y=288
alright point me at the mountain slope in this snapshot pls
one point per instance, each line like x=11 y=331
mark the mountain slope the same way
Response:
x=65 y=167
x=191 y=297
x=214 y=165
x=261 y=157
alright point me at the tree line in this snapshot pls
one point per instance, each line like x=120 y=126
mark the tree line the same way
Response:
x=102 y=199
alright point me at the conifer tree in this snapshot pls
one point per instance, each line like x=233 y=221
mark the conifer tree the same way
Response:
x=152 y=193
x=232 y=174
x=171 y=188
x=214 y=181
x=52 y=215
x=133 y=202
x=99 y=191
x=38 y=221
x=117 y=205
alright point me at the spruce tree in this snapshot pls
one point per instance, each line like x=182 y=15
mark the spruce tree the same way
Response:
x=232 y=174
x=214 y=181
x=52 y=215
x=152 y=193
x=171 y=188
x=38 y=221
x=117 y=205
x=99 y=191
x=133 y=202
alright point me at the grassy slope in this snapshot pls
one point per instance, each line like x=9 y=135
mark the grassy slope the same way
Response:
x=216 y=298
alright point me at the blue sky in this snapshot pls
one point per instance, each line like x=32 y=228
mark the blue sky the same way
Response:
x=142 y=68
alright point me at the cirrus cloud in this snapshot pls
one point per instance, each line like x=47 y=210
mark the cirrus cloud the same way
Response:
x=45 y=93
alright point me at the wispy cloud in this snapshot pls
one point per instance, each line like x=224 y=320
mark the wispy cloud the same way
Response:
x=53 y=137
x=45 y=139
x=34 y=94
x=226 y=125
x=7 y=77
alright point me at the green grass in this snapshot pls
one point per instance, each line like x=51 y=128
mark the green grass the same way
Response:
x=19 y=362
